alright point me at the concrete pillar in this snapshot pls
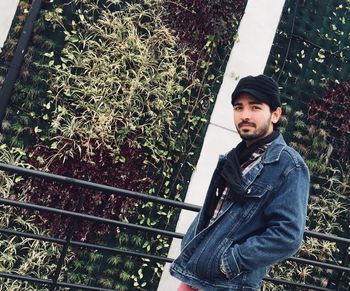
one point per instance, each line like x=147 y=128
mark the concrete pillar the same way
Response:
x=248 y=57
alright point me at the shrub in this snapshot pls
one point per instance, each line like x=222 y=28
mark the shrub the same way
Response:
x=99 y=168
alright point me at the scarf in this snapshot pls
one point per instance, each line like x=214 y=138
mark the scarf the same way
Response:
x=232 y=169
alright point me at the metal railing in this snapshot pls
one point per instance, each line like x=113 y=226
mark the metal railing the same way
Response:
x=76 y=216
x=54 y=283
x=16 y=63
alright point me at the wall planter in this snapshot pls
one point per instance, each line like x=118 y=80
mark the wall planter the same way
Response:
x=310 y=57
x=117 y=93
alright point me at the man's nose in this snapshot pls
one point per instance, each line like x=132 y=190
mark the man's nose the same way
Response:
x=246 y=114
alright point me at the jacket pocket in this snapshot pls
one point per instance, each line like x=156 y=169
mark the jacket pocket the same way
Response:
x=258 y=190
x=256 y=195
x=205 y=261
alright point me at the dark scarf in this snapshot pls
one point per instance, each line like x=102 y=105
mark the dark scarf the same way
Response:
x=232 y=171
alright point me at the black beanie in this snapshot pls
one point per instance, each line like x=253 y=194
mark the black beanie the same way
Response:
x=262 y=87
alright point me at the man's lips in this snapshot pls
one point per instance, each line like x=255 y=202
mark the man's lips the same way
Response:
x=246 y=124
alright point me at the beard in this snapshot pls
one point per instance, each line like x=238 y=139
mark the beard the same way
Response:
x=254 y=133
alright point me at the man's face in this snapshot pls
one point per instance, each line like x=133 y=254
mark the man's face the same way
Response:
x=253 y=119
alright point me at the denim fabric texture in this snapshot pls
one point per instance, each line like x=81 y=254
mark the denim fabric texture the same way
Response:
x=247 y=238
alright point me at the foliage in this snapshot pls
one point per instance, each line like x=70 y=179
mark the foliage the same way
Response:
x=135 y=80
x=8 y=50
x=107 y=87
x=332 y=113
x=120 y=79
x=19 y=255
x=99 y=168
x=116 y=271
x=28 y=110
x=206 y=26
x=310 y=59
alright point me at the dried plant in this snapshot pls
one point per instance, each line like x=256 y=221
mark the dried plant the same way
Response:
x=19 y=255
x=122 y=80
x=115 y=83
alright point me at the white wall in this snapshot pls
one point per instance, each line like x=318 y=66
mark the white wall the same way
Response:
x=248 y=57
x=7 y=12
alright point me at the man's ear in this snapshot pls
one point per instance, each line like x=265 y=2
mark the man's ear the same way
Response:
x=276 y=115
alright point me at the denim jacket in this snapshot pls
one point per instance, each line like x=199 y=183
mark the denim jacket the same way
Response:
x=248 y=237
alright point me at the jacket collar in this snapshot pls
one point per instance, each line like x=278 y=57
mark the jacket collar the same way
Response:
x=273 y=152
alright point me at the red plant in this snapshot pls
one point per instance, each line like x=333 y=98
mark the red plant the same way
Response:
x=99 y=168
x=195 y=20
x=332 y=113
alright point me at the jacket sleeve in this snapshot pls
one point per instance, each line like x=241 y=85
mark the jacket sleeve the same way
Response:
x=285 y=216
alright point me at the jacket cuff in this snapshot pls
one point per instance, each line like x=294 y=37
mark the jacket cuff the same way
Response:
x=229 y=263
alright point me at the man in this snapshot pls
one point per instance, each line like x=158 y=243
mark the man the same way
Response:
x=255 y=209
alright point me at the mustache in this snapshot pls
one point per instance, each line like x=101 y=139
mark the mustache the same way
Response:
x=246 y=123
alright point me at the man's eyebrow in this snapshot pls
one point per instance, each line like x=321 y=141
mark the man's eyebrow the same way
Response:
x=255 y=102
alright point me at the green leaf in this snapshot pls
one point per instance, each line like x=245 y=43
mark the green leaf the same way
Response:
x=37 y=129
x=49 y=55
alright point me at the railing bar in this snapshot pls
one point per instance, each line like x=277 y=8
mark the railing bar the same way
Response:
x=83 y=287
x=328 y=237
x=69 y=235
x=98 y=247
x=32 y=235
x=301 y=285
x=95 y=186
x=49 y=282
x=86 y=245
x=340 y=275
x=113 y=190
x=124 y=252
x=318 y=263
x=25 y=278
x=16 y=63
x=168 y=233
x=88 y=217
x=64 y=284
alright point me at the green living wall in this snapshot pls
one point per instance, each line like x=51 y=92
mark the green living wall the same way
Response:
x=310 y=58
x=118 y=92
x=113 y=92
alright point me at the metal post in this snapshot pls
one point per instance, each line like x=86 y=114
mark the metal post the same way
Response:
x=69 y=236
x=345 y=263
x=16 y=63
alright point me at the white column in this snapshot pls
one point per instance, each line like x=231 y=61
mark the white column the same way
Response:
x=7 y=12
x=248 y=57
